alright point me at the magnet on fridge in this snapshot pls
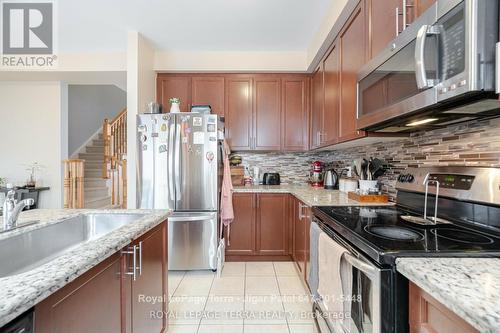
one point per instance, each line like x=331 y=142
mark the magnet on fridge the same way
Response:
x=162 y=148
x=144 y=147
x=197 y=121
x=163 y=127
x=184 y=139
x=154 y=135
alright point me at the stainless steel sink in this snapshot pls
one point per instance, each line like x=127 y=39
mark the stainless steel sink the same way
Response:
x=31 y=249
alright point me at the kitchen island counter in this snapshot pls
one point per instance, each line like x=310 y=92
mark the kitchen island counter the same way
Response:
x=467 y=286
x=20 y=292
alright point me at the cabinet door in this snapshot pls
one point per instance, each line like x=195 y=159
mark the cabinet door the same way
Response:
x=295 y=113
x=300 y=236
x=352 y=58
x=267 y=114
x=169 y=86
x=151 y=281
x=209 y=90
x=422 y=5
x=239 y=113
x=91 y=303
x=318 y=99
x=272 y=226
x=241 y=240
x=426 y=314
x=331 y=106
x=384 y=23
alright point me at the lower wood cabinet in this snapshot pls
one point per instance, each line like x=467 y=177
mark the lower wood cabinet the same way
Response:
x=107 y=299
x=260 y=227
x=301 y=223
x=428 y=315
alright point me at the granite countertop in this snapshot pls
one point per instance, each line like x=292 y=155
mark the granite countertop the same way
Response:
x=309 y=195
x=20 y=292
x=470 y=287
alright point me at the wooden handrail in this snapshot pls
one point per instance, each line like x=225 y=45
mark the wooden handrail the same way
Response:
x=115 y=151
x=74 y=183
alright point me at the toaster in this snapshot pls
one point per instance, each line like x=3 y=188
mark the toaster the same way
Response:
x=271 y=178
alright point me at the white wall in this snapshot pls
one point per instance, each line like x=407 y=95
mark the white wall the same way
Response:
x=141 y=89
x=33 y=128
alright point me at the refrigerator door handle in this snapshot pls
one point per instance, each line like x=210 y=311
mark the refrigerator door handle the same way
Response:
x=177 y=162
x=171 y=162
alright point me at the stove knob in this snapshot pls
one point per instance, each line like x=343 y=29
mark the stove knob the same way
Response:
x=400 y=178
x=411 y=178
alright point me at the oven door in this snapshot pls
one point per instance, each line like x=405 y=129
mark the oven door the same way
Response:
x=365 y=310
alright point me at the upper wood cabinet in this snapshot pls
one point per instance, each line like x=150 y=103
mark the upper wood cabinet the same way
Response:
x=384 y=23
x=209 y=90
x=239 y=113
x=168 y=86
x=331 y=66
x=318 y=100
x=267 y=113
x=352 y=44
x=295 y=115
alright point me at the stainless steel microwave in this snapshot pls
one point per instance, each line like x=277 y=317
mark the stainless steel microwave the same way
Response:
x=438 y=71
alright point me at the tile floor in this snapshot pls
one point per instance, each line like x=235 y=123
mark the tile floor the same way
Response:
x=249 y=297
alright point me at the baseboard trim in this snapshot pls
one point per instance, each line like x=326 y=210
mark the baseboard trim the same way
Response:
x=258 y=258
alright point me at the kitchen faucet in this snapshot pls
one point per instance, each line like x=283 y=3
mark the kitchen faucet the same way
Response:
x=12 y=208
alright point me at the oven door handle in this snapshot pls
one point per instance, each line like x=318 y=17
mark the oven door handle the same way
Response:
x=369 y=270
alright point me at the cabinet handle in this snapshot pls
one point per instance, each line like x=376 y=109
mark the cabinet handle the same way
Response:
x=133 y=252
x=397 y=21
x=140 y=258
x=301 y=215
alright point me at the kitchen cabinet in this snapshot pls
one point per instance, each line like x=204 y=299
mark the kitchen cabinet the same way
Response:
x=318 y=99
x=239 y=113
x=241 y=240
x=299 y=235
x=421 y=6
x=385 y=22
x=352 y=43
x=169 y=86
x=307 y=257
x=151 y=281
x=428 y=315
x=331 y=69
x=272 y=224
x=264 y=112
x=260 y=228
x=267 y=113
x=295 y=112
x=105 y=299
x=209 y=90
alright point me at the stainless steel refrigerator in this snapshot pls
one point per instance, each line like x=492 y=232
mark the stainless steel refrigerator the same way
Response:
x=179 y=168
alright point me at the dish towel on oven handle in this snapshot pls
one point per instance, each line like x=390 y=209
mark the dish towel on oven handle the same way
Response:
x=226 y=210
x=331 y=274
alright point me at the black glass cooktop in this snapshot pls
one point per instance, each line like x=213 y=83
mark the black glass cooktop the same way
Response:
x=382 y=234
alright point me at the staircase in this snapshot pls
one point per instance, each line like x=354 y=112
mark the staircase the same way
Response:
x=97 y=193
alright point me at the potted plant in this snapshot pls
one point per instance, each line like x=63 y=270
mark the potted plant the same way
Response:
x=174 y=105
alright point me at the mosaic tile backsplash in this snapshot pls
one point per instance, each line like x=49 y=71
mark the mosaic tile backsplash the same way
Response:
x=476 y=143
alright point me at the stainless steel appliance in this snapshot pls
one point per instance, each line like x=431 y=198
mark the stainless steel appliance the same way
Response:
x=331 y=180
x=178 y=168
x=271 y=178
x=467 y=202
x=438 y=71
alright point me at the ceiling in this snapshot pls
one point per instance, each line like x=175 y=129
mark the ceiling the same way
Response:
x=191 y=25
